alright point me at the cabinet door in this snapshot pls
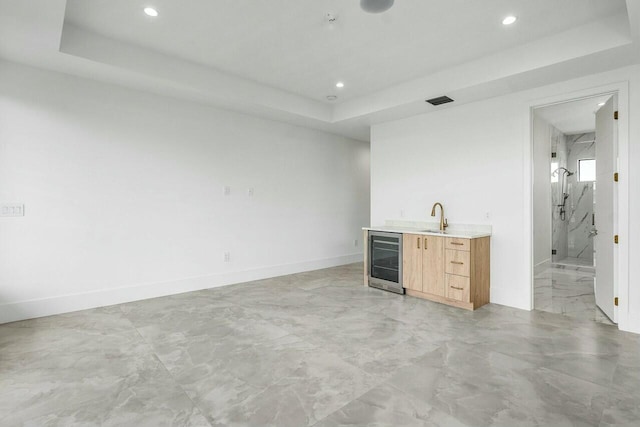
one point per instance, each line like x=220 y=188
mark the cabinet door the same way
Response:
x=412 y=261
x=433 y=265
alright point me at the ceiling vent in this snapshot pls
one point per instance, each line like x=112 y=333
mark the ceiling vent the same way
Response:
x=439 y=100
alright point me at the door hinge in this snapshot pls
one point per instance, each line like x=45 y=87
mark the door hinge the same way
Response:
x=615 y=115
x=615 y=301
x=615 y=239
x=615 y=177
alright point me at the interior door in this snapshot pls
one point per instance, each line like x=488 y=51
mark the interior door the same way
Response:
x=605 y=198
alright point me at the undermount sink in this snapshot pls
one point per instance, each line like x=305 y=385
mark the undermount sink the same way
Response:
x=433 y=231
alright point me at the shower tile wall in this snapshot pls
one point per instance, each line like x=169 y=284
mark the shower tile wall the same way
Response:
x=580 y=202
x=560 y=229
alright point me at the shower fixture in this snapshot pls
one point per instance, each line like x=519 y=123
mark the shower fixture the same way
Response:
x=564 y=173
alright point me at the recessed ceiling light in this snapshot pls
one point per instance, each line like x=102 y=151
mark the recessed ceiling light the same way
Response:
x=601 y=104
x=509 y=20
x=151 y=11
x=340 y=85
x=331 y=97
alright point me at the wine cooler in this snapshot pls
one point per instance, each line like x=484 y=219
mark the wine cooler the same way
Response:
x=385 y=261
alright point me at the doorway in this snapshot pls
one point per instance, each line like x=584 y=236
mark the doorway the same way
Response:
x=574 y=154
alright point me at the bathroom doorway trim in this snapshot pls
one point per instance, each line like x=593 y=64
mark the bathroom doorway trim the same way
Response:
x=621 y=270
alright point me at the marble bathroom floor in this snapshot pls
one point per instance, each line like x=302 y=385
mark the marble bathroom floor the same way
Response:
x=572 y=263
x=568 y=292
x=315 y=349
x=575 y=261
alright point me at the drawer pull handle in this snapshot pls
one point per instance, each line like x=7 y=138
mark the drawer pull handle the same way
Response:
x=456 y=243
x=457 y=262
x=460 y=289
x=418 y=242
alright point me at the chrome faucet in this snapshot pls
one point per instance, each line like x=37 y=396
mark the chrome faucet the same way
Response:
x=443 y=221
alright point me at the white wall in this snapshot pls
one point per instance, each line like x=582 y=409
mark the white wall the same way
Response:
x=123 y=195
x=469 y=159
x=476 y=159
x=541 y=191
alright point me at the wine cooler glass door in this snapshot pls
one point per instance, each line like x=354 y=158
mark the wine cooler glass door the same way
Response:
x=386 y=256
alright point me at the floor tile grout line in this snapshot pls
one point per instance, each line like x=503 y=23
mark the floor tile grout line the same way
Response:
x=250 y=309
x=534 y=320
x=173 y=378
x=293 y=333
x=609 y=386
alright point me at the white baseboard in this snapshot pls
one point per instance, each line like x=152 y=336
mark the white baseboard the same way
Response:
x=505 y=297
x=630 y=324
x=29 y=309
x=541 y=266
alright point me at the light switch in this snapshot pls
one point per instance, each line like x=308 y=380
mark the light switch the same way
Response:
x=11 y=209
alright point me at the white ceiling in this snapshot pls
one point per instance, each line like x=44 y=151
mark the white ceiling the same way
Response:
x=573 y=117
x=288 y=45
x=279 y=58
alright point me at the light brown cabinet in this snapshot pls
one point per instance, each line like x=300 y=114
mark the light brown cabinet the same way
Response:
x=449 y=270
x=433 y=281
x=412 y=245
x=423 y=263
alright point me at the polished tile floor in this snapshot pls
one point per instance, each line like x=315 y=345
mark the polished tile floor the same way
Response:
x=585 y=262
x=315 y=349
x=568 y=290
x=575 y=263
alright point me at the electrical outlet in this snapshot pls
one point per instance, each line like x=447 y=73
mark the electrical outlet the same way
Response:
x=227 y=257
x=226 y=190
x=11 y=209
x=250 y=191
x=401 y=213
x=355 y=243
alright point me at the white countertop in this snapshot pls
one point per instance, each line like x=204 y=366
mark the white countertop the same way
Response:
x=460 y=231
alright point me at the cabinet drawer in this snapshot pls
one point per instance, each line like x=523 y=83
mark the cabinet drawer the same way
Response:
x=457 y=244
x=457 y=262
x=458 y=288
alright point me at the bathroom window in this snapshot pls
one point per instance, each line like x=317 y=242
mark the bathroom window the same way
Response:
x=586 y=170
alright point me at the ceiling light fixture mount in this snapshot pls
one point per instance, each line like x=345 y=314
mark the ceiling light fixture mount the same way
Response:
x=509 y=20
x=331 y=97
x=376 y=6
x=151 y=12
